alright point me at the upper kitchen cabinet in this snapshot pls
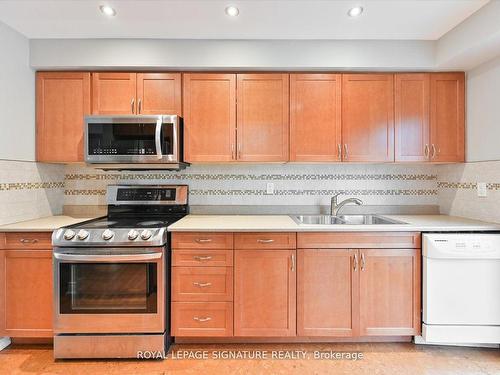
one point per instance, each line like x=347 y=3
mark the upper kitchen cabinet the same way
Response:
x=209 y=117
x=62 y=101
x=315 y=117
x=411 y=109
x=114 y=93
x=159 y=93
x=262 y=124
x=367 y=117
x=447 y=117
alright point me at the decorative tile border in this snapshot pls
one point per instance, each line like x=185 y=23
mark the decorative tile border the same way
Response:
x=11 y=186
x=466 y=185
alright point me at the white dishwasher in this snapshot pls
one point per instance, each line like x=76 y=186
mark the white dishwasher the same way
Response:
x=461 y=288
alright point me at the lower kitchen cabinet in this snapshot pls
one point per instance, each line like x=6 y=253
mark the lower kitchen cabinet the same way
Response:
x=327 y=291
x=199 y=319
x=265 y=293
x=389 y=292
x=26 y=290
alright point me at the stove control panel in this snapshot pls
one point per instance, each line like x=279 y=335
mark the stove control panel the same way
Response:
x=109 y=237
x=146 y=234
x=132 y=235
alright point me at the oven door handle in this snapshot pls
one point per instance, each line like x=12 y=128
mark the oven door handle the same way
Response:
x=107 y=258
x=159 y=152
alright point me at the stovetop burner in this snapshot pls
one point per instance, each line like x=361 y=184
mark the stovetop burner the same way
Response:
x=137 y=223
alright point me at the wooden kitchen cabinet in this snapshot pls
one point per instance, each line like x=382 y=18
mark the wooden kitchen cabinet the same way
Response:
x=367 y=117
x=209 y=117
x=114 y=93
x=315 y=117
x=389 y=292
x=327 y=293
x=412 y=117
x=262 y=117
x=447 y=117
x=159 y=93
x=62 y=101
x=265 y=293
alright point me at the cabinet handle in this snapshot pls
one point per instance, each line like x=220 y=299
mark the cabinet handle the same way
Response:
x=426 y=151
x=203 y=240
x=433 y=154
x=262 y=240
x=201 y=285
x=233 y=156
x=139 y=105
x=202 y=320
x=28 y=240
x=200 y=258
x=355 y=262
x=346 y=151
x=362 y=261
x=239 y=151
x=339 y=151
x=293 y=262
x=132 y=102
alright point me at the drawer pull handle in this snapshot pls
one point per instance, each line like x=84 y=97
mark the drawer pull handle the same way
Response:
x=260 y=240
x=355 y=262
x=363 y=263
x=28 y=240
x=201 y=285
x=203 y=240
x=202 y=320
x=200 y=258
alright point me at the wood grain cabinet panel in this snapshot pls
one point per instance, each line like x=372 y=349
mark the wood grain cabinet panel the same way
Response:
x=26 y=240
x=202 y=258
x=114 y=93
x=368 y=117
x=357 y=240
x=202 y=240
x=62 y=101
x=209 y=117
x=263 y=117
x=26 y=289
x=327 y=291
x=315 y=117
x=447 y=117
x=412 y=115
x=202 y=284
x=265 y=240
x=389 y=302
x=212 y=319
x=159 y=94
x=265 y=293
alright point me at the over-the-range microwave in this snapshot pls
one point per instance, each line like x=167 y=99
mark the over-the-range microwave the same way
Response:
x=134 y=142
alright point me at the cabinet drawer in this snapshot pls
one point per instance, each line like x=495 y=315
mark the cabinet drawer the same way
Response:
x=26 y=240
x=202 y=319
x=202 y=257
x=202 y=284
x=201 y=240
x=359 y=240
x=265 y=240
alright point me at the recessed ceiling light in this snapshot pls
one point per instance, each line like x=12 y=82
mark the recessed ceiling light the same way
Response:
x=107 y=10
x=232 y=11
x=355 y=12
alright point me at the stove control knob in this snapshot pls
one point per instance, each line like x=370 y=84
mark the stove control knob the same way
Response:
x=133 y=234
x=146 y=234
x=82 y=234
x=107 y=235
x=69 y=234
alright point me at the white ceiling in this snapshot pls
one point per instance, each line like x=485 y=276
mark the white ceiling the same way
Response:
x=258 y=19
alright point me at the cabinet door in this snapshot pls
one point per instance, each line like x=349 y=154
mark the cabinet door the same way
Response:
x=411 y=108
x=389 y=301
x=62 y=101
x=447 y=117
x=209 y=117
x=327 y=286
x=264 y=293
x=26 y=293
x=315 y=114
x=368 y=117
x=263 y=117
x=159 y=94
x=114 y=93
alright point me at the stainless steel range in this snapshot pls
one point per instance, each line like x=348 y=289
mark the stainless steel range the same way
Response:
x=111 y=276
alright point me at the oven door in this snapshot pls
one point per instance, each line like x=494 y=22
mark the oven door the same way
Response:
x=109 y=290
x=132 y=139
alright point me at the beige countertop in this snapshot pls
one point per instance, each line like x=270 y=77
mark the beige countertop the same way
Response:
x=284 y=223
x=44 y=224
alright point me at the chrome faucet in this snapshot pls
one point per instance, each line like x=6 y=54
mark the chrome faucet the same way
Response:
x=335 y=206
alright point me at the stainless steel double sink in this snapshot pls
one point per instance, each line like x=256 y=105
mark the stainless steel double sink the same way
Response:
x=343 y=219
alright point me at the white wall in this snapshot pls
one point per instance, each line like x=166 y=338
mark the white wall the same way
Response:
x=483 y=112
x=17 y=97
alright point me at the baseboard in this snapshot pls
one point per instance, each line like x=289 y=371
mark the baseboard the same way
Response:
x=288 y=340
x=4 y=342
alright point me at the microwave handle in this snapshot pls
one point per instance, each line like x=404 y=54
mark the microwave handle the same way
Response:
x=159 y=152
x=107 y=258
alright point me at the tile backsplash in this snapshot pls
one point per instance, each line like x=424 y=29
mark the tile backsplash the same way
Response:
x=30 y=190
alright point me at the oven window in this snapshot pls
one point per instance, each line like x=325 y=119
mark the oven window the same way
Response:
x=102 y=288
